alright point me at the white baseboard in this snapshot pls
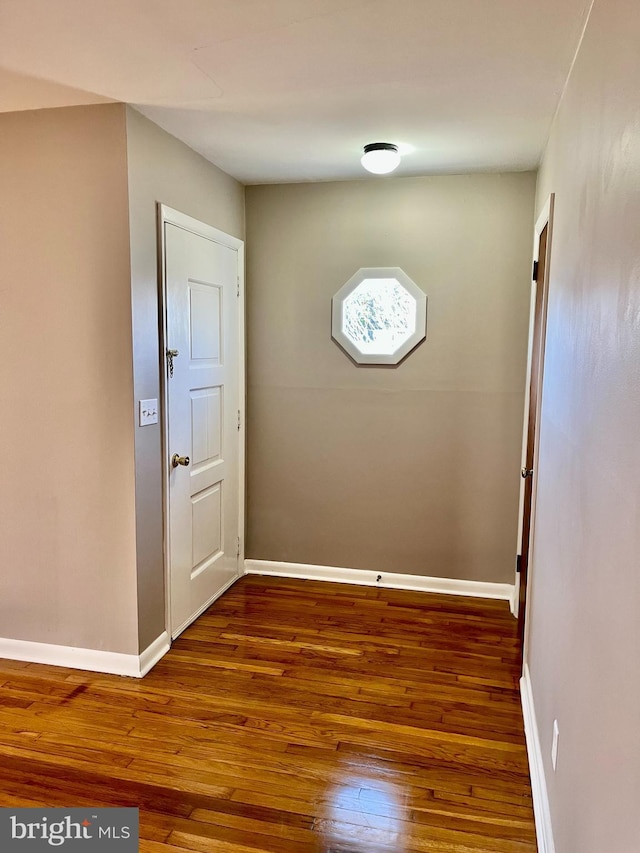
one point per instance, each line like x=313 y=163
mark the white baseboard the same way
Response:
x=93 y=660
x=153 y=653
x=514 y=600
x=541 y=808
x=388 y=580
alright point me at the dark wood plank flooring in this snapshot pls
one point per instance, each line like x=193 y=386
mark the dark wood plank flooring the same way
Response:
x=293 y=717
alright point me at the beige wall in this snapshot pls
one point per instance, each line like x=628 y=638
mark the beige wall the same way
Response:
x=584 y=650
x=161 y=169
x=67 y=535
x=409 y=469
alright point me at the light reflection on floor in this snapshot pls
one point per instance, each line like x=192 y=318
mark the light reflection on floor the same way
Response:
x=362 y=814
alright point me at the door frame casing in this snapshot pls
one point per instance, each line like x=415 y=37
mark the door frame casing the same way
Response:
x=168 y=215
x=545 y=218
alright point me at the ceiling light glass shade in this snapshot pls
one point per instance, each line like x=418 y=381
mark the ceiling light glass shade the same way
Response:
x=380 y=158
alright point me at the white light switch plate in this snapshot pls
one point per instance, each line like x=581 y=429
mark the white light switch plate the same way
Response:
x=148 y=412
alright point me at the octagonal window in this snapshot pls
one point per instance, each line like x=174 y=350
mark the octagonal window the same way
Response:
x=379 y=316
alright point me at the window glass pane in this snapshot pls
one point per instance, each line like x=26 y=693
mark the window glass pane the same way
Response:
x=379 y=316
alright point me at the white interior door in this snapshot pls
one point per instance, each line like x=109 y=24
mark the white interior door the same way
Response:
x=203 y=410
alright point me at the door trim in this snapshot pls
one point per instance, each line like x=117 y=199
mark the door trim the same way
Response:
x=174 y=217
x=545 y=218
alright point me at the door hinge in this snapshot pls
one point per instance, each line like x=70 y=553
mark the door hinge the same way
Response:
x=239 y=420
x=518 y=563
x=534 y=271
x=238 y=283
x=238 y=553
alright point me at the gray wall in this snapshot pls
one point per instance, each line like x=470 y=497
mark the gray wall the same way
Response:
x=161 y=169
x=67 y=534
x=407 y=469
x=584 y=652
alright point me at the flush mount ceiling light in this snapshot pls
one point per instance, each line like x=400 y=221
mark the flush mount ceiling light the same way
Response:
x=380 y=158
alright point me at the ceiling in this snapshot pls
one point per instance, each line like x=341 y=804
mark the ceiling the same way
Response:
x=291 y=90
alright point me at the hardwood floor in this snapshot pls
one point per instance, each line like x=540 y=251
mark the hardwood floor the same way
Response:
x=293 y=716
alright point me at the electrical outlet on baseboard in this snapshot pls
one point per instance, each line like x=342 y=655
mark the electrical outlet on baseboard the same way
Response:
x=554 y=745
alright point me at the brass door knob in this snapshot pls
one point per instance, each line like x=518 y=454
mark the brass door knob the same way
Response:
x=176 y=460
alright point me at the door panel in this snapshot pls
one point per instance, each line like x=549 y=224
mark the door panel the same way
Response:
x=206 y=425
x=203 y=402
x=206 y=519
x=205 y=318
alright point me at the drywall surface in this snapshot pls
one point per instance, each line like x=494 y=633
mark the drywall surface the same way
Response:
x=584 y=641
x=413 y=468
x=67 y=534
x=161 y=169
